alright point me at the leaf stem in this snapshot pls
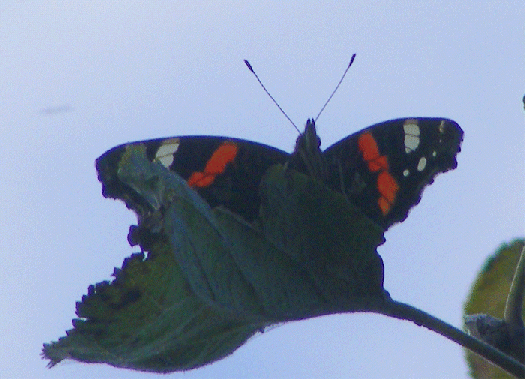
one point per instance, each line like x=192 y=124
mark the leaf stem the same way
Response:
x=407 y=312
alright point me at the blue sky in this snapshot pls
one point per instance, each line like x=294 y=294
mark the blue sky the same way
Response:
x=77 y=78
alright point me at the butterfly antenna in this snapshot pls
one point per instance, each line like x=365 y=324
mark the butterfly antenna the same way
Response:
x=336 y=87
x=271 y=97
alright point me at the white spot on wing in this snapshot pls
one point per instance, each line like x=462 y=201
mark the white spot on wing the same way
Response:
x=412 y=132
x=166 y=151
x=406 y=173
x=422 y=164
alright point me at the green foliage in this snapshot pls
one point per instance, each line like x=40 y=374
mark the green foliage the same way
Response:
x=209 y=280
x=488 y=296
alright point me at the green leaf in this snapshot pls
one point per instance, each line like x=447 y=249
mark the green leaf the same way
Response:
x=488 y=296
x=210 y=280
x=330 y=237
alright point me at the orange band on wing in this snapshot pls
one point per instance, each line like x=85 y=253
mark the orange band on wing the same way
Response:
x=216 y=165
x=386 y=183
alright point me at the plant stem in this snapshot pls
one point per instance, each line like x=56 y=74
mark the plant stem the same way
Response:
x=407 y=312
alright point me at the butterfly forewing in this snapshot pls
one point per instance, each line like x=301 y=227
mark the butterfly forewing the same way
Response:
x=224 y=171
x=383 y=169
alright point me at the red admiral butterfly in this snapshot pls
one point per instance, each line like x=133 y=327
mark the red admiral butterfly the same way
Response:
x=287 y=247
x=381 y=169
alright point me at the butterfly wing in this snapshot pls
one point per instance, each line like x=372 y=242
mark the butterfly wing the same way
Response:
x=384 y=168
x=224 y=171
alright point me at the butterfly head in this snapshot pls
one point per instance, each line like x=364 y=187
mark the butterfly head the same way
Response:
x=307 y=156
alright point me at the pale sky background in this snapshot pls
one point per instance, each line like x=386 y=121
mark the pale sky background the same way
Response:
x=77 y=78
